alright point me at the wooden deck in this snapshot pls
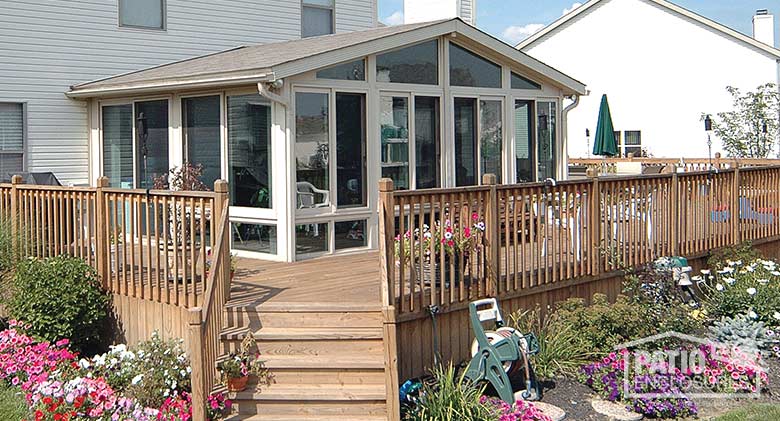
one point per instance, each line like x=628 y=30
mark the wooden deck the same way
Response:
x=348 y=280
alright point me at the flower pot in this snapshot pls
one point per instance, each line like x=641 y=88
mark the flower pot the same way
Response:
x=237 y=384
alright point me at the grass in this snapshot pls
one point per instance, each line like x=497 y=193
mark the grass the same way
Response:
x=756 y=412
x=12 y=406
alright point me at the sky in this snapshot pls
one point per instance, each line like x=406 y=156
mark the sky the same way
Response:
x=513 y=20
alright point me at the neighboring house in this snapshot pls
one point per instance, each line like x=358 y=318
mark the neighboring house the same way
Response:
x=661 y=66
x=303 y=130
x=48 y=45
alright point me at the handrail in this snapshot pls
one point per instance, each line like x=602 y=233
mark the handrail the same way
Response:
x=208 y=296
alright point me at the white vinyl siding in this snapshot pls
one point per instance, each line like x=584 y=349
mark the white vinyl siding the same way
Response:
x=467 y=12
x=45 y=47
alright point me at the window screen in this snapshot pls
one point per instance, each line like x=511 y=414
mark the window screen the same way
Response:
x=11 y=138
x=142 y=13
x=316 y=18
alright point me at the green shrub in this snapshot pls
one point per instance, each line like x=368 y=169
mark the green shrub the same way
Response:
x=451 y=398
x=12 y=404
x=745 y=287
x=742 y=252
x=562 y=349
x=603 y=325
x=60 y=297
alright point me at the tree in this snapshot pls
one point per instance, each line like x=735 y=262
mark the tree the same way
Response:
x=742 y=129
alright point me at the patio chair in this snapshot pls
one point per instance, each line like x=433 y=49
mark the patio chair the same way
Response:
x=762 y=216
x=307 y=193
x=634 y=209
x=569 y=221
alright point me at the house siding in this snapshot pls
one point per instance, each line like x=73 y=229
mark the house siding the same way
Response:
x=467 y=12
x=48 y=45
x=658 y=81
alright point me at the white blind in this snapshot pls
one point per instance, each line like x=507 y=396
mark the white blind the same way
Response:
x=11 y=127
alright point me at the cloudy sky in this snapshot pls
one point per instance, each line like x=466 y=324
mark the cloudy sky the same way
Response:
x=513 y=20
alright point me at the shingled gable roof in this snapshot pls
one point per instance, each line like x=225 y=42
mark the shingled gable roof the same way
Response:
x=681 y=11
x=267 y=62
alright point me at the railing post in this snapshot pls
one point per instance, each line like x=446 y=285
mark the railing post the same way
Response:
x=14 y=216
x=386 y=233
x=674 y=211
x=197 y=376
x=220 y=207
x=491 y=234
x=735 y=211
x=594 y=224
x=101 y=234
x=387 y=288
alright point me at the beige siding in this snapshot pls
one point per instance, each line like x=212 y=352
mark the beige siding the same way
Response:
x=48 y=45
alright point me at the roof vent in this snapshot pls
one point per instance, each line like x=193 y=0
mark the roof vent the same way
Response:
x=762 y=12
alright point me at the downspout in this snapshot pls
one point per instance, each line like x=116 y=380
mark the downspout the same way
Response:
x=564 y=174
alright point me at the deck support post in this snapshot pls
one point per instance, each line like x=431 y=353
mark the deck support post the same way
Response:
x=14 y=216
x=199 y=393
x=491 y=234
x=101 y=232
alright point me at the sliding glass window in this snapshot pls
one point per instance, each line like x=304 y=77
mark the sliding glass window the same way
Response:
x=524 y=146
x=118 y=145
x=312 y=163
x=427 y=143
x=465 y=141
x=151 y=132
x=546 y=136
x=202 y=146
x=394 y=134
x=491 y=136
x=249 y=152
x=351 y=150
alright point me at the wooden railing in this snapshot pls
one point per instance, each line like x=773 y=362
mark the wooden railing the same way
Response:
x=169 y=248
x=540 y=236
x=608 y=165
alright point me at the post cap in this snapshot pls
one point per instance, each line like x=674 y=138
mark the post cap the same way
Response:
x=195 y=316
x=220 y=186
x=102 y=181
x=386 y=184
x=16 y=179
x=592 y=172
x=489 y=179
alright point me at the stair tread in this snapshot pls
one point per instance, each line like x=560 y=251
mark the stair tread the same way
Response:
x=306 y=307
x=315 y=392
x=307 y=333
x=343 y=361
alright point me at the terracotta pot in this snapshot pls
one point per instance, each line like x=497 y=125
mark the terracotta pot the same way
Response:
x=237 y=384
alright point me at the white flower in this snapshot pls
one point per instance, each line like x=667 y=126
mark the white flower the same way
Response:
x=775 y=273
x=696 y=278
x=705 y=271
x=763 y=281
x=719 y=287
x=137 y=379
x=729 y=281
x=751 y=291
x=752 y=314
x=728 y=270
x=448 y=235
x=776 y=315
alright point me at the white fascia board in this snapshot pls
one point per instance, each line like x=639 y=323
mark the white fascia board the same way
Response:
x=169 y=85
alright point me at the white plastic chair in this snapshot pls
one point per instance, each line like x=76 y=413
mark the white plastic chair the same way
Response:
x=307 y=199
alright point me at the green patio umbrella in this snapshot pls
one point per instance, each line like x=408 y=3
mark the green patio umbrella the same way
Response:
x=604 y=143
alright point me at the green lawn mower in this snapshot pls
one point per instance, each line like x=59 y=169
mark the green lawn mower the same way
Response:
x=500 y=353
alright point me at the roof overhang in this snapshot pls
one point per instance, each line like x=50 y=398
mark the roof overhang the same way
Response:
x=567 y=84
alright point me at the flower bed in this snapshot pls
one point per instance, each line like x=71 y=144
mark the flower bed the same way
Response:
x=149 y=382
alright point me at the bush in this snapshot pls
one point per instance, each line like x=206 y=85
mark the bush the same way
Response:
x=745 y=287
x=12 y=405
x=59 y=297
x=149 y=372
x=562 y=349
x=743 y=252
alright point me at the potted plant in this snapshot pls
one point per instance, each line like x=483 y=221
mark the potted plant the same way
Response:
x=459 y=243
x=233 y=264
x=237 y=368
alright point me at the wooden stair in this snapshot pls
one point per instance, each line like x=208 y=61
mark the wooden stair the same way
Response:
x=327 y=361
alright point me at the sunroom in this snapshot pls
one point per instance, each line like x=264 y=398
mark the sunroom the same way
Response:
x=303 y=130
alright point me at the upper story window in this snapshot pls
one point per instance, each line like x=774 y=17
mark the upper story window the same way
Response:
x=11 y=138
x=317 y=17
x=469 y=69
x=149 y=14
x=416 y=64
x=520 y=82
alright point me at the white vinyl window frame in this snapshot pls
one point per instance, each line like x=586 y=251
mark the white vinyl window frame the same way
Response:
x=163 y=18
x=23 y=150
x=314 y=5
x=505 y=176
